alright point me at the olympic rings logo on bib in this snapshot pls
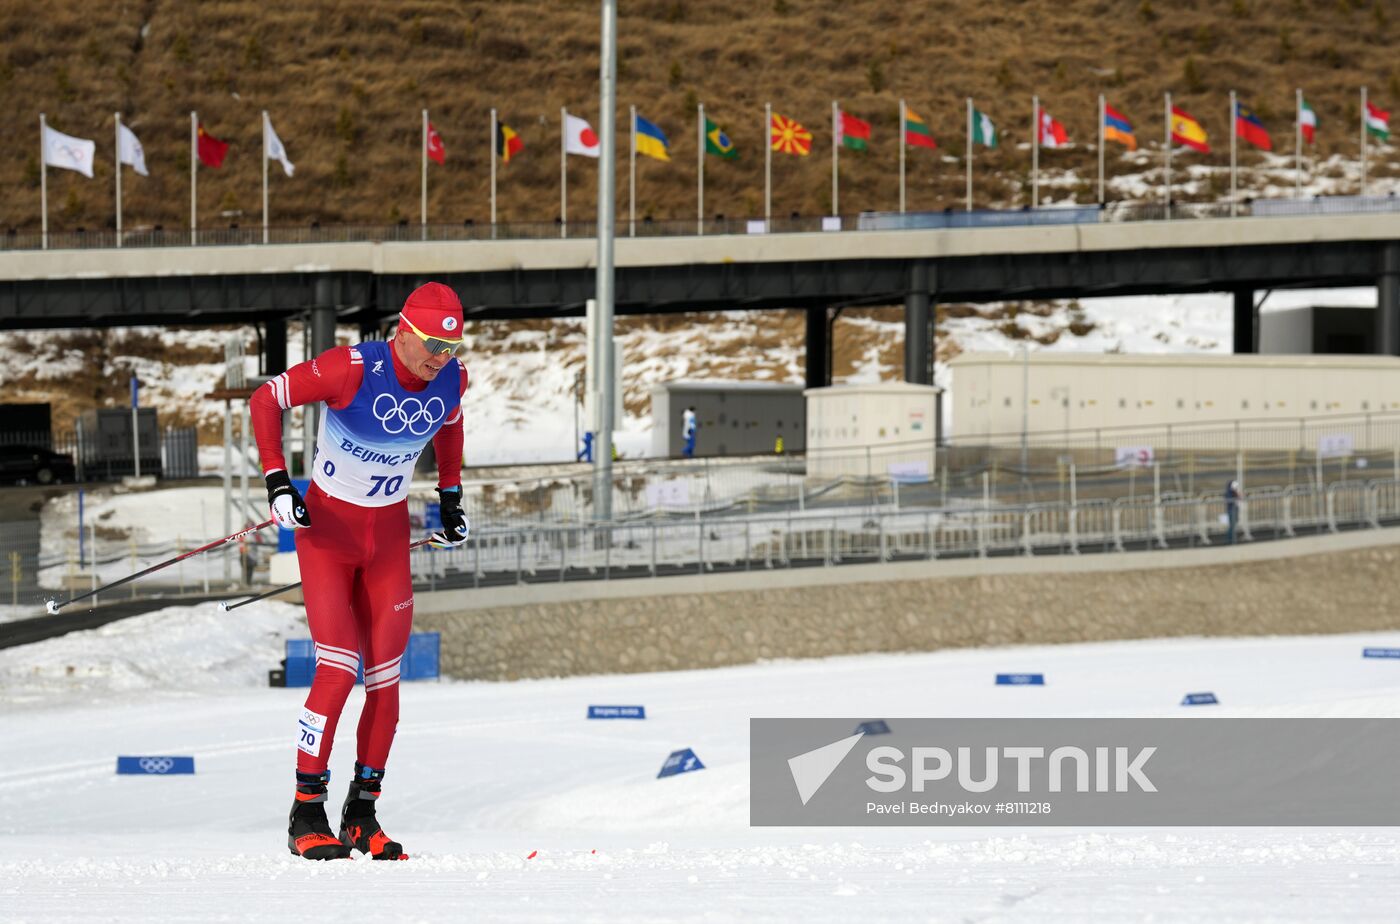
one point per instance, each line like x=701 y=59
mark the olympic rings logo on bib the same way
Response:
x=157 y=764
x=411 y=414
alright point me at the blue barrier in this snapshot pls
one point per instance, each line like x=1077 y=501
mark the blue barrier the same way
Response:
x=1380 y=653
x=683 y=761
x=983 y=218
x=875 y=727
x=1020 y=680
x=154 y=766
x=617 y=712
x=421 y=660
x=1200 y=699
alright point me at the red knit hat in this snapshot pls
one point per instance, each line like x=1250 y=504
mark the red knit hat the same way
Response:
x=435 y=310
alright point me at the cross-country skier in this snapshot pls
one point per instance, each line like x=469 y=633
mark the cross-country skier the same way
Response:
x=384 y=402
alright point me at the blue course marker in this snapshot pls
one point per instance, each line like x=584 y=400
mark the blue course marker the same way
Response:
x=1380 y=652
x=154 y=766
x=1020 y=680
x=617 y=712
x=683 y=761
x=875 y=727
x=1200 y=699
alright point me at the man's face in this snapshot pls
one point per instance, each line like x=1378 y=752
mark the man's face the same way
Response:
x=414 y=355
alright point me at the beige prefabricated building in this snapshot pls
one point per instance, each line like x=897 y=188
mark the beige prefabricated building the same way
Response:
x=996 y=395
x=880 y=430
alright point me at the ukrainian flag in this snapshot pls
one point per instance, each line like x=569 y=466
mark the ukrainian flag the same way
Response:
x=651 y=141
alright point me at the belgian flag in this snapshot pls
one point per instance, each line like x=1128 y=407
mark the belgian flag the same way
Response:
x=508 y=143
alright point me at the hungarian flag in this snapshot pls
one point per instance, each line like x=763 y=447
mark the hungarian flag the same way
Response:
x=1248 y=127
x=1377 y=121
x=1187 y=131
x=508 y=143
x=1052 y=133
x=1307 y=122
x=916 y=131
x=852 y=132
x=435 y=150
x=211 y=150
x=790 y=138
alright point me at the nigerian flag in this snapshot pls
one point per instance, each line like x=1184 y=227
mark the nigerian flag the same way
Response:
x=983 y=131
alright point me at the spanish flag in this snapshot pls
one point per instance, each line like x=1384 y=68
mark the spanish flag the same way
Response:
x=508 y=143
x=1187 y=131
x=788 y=137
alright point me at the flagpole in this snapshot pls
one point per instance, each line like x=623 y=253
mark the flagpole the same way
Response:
x=902 y=141
x=1101 y=156
x=632 y=182
x=495 y=130
x=264 y=168
x=563 y=172
x=700 y=170
x=43 y=183
x=1363 y=141
x=423 y=206
x=767 y=164
x=969 y=153
x=1234 y=133
x=1167 y=193
x=1298 y=143
x=1035 y=152
x=194 y=174
x=835 y=174
x=118 y=150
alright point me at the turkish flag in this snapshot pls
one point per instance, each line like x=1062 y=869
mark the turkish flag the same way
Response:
x=211 y=150
x=435 y=149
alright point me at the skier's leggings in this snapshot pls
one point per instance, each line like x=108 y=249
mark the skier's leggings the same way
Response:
x=359 y=602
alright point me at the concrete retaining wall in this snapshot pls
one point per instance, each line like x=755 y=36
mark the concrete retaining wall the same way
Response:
x=1324 y=584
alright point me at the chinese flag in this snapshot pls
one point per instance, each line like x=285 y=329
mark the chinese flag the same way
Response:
x=435 y=149
x=211 y=150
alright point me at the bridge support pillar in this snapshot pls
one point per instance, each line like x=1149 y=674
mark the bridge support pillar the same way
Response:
x=1388 y=301
x=1244 y=321
x=918 y=327
x=274 y=346
x=818 y=349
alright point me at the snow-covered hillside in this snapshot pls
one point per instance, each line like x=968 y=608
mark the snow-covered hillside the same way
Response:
x=523 y=403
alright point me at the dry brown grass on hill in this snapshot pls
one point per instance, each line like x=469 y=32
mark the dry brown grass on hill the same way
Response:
x=345 y=82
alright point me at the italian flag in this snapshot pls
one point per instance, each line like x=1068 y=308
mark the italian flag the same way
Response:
x=1377 y=121
x=1307 y=122
x=983 y=131
x=916 y=131
x=852 y=132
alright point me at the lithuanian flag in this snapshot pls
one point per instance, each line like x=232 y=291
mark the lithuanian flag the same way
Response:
x=916 y=131
x=788 y=137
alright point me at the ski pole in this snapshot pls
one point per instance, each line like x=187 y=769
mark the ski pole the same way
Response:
x=53 y=606
x=225 y=606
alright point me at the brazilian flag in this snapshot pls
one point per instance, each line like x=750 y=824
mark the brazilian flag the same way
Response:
x=717 y=142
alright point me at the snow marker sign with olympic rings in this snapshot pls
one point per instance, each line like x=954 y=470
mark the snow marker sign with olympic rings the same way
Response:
x=154 y=766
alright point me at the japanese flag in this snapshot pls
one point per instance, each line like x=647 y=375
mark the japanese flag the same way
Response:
x=579 y=137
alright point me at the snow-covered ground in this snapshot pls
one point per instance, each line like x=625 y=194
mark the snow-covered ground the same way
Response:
x=515 y=806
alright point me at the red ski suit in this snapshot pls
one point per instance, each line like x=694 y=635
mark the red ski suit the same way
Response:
x=353 y=560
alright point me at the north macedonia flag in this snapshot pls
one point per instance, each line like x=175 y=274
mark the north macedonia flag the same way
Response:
x=790 y=138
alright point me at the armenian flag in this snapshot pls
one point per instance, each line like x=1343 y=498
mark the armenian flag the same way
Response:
x=651 y=141
x=717 y=142
x=508 y=143
x=1248 y=127
x=1116 y=127
x=916 y=131
x=788 y=137
x=1187 y=131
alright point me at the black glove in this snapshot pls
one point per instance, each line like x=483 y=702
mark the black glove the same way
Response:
x=288 y=509
x=455 y=527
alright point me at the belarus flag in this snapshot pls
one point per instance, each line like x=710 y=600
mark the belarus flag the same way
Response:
x=579 y=137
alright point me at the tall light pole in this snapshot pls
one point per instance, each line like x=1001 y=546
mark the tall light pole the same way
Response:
x=604 y=378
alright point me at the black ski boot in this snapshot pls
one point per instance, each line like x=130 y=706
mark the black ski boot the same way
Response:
x=359 y=828
x=308 y=832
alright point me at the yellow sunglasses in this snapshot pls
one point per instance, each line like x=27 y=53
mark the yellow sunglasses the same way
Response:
x=434 y=345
